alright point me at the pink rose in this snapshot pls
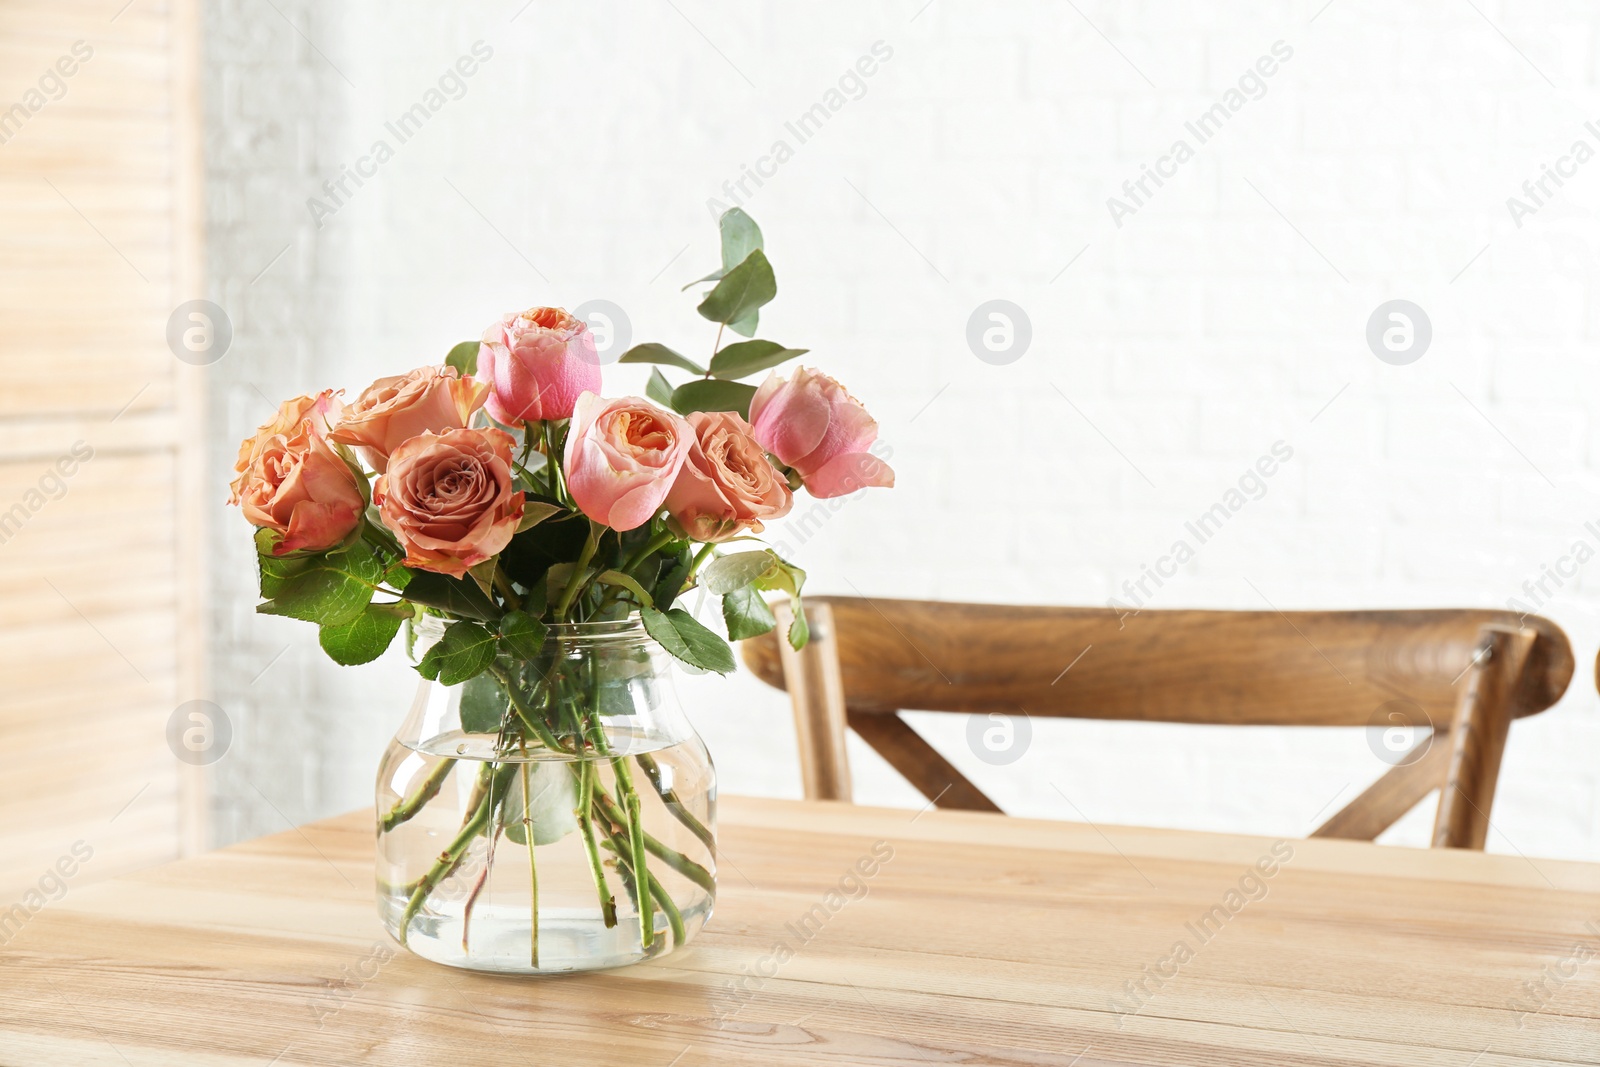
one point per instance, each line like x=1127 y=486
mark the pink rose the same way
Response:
x=322 y=410
x=297 y=485
x=727 y=484
x=811 y=423
x=391 y=411
x=537 y=363
x=448 y=498
x=622 y=457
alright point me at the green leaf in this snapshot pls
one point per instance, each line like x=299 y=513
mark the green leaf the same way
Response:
x=454 y=595
x=726 y=573
x=654 y=353
x=746 y=357
x=658 y=388
x=671 y=582
x=745 y=326
x=740 y=237
x=536 y=511
x=713 y=395
x=483 y=705
x=464 y=358
x=746 y=614
x=682 y=635
x=622 y=581
x=365 y=637
x=465 y=650
x=330 y=589
x=549 y=807
x=741 y=292
x=799 y=629
x=275 y=570
x=521 y=634
x=788 y=578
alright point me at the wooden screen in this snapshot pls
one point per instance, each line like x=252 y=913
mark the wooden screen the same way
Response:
x=99 y=437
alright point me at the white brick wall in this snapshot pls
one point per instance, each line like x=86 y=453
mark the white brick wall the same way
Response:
x=1194 y=336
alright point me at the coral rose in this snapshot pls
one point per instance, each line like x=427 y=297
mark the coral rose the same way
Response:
x=622 y=457
x=811 y=423
x=298 y=486
x=322 y=410
x=448 y=498
x=537 y=364
x=391 y=411
x=727 y=485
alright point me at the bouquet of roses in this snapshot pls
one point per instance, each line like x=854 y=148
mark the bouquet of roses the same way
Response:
x=501 y=495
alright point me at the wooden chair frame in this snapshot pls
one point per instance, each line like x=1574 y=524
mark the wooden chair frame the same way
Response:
x=1464 y=674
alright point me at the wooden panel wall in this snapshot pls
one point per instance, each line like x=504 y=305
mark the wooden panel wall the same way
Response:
x=100 y=240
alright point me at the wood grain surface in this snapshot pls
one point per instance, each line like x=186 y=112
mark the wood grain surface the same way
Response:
x=971 y=939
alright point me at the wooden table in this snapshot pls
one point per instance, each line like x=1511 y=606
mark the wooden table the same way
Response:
x=982 y=939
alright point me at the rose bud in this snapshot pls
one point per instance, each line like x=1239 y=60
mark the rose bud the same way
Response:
x=811 y=423
x=537 y=364
x=391 y=411
x=449 y=500
x=298 y=486
x=622 y=457
x=727 y=484
x=321 y=410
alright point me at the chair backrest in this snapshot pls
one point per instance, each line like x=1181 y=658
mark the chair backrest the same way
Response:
x=1459 y=675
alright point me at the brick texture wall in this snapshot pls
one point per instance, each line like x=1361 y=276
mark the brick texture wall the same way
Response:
x=1175 y=335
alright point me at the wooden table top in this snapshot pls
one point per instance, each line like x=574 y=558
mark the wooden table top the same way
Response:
x=977 y=939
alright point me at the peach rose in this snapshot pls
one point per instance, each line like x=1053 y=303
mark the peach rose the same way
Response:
x=391 y=411
x=811 y=423
x=538 y=363
x=622 y=457
x=448 y=498
x=300 y=487
x=727 y=485
x=322 y=410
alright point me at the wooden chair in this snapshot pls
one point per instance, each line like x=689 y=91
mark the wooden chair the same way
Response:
x=1465 y=674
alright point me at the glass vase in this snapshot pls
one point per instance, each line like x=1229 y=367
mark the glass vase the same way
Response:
x=554 y=813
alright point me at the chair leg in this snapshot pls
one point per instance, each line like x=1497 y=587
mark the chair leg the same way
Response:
x=816 y=689
x=1478 y=738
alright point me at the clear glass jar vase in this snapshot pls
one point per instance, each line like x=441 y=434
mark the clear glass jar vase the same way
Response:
x=555 y=813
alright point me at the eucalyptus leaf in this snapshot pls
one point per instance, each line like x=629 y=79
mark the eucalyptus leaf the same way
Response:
x=726 y=573
x=364 y=638
x=547 y=802
x=658 y=388
x=465 y=649
x=658 y=353
x=484 y=705
x=464 y=358
x=741 y=292
x=746 y=614
x=744 y=358
x=681 y=634
x=711 y=394
x=740 y=237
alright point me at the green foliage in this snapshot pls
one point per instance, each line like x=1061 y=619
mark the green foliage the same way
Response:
x=365 y=637
x=484 y=705
x=464 y=358
x=623 y=581
x=681 y=634
x=453 y=595
x=465 y=649
x=330 y=589
x=741 y=293
x=709 y=394
x=725 y=574
x=746 y=614
x=522 y=635
x=744 y=358
x=658 y=388
x=740 y=237
x=657 y=353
